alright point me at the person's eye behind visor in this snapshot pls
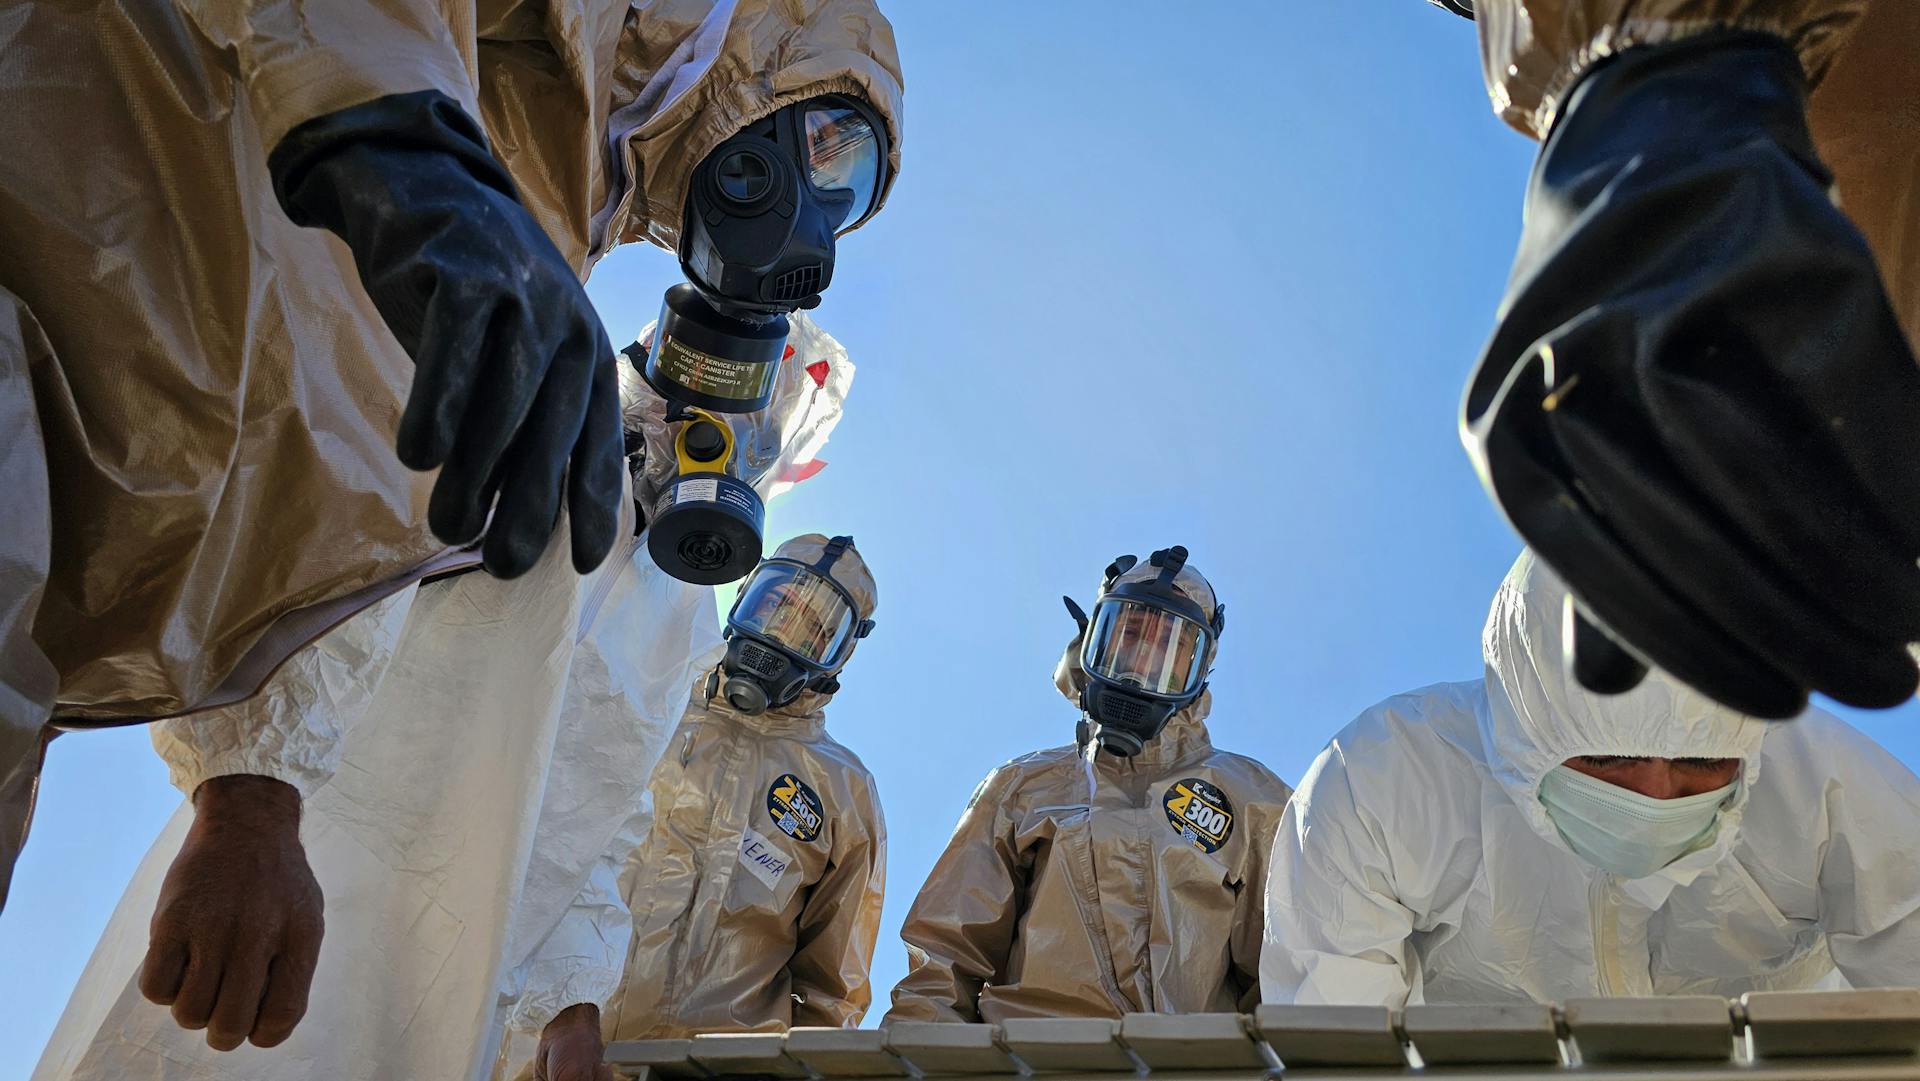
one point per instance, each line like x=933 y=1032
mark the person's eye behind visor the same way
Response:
x=798 y=609
x=843 y=154
x=1146 y=647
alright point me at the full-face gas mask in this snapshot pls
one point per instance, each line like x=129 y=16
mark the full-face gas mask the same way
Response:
x=791 y=628
x=762 y=213
x=1145 y=652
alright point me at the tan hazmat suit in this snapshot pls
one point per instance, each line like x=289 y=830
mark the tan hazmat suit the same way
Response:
x=1095 y=887
x=756 y=898
x=200 y=398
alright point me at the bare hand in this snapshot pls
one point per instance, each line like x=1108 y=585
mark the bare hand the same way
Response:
x=570 y=1047
x=237 y=929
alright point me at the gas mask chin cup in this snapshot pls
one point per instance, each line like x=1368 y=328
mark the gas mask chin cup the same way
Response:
x=1124 y=723
x=760 y=675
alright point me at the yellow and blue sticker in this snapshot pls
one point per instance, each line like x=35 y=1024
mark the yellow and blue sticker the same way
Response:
x=1200 y=813
x=796 y=808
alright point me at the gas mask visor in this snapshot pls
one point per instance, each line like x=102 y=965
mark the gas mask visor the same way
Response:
x=792 y=627
x=845 y=153
x=1147 y=648
x=807 y=615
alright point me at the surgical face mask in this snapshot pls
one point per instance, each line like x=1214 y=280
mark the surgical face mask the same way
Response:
x=1619 y=830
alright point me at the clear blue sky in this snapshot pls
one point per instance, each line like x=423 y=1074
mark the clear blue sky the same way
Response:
x=1211 y=275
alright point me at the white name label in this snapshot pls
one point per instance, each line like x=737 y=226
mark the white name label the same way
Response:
x=762 y=857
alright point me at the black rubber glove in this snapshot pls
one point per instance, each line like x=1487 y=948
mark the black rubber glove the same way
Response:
x=514 y=389
x=1699 y=407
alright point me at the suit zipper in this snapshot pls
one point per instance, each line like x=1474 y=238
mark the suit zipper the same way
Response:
x=1090 y=913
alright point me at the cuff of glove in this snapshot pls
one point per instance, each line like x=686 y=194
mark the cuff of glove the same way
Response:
x=536 y=1008
x=1529 y=79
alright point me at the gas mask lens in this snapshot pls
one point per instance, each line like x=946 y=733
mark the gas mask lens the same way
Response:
x=843 y=154
x=1145 y=648
x=805 y=613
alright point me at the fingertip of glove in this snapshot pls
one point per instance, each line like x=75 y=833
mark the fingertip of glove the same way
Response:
x=419 y=447
x=1600 y=663
x=417 y=458
x=1883 y=682
x=452 y=515
x=506 y=560
x=1609 y=670
x=594 y=527
x=590 y=552
x=593 y=506
x=1783 y=706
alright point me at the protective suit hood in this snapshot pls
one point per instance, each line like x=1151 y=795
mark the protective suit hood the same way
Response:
x=689 y=75
x=795 y=624
x=1537 y=716
x=849 y=570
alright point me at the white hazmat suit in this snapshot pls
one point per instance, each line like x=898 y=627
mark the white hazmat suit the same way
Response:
x=1417 y=863
x=465 y=830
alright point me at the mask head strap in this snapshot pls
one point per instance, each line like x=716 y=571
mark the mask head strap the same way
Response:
x=835 y=548
x=823 y=567
x=1170 y=561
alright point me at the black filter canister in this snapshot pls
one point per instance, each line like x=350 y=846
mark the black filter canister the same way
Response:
x=707 y=358
x=707 y=529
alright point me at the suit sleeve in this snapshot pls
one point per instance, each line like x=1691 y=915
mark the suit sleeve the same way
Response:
x=293 y=729
x=833 y=953
x=959 y=932
x=300 y=60
x=1532 y=52
x=1249 y=930
x=583 y=957
x=1869 y=872
x=1336 y=931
